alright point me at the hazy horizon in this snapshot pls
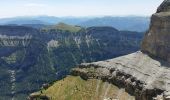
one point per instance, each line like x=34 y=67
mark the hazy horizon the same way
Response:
x=77 y=8
x=67 y=17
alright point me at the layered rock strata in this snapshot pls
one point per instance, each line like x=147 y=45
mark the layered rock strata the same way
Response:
x=146 y=73
x=142 y=76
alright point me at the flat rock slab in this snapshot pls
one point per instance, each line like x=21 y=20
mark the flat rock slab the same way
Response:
x=154 y=73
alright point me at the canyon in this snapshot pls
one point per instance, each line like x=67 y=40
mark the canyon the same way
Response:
x=30 y=57
x=144 y=74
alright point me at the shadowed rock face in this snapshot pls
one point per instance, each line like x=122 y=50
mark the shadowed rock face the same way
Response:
x=157 y=39
x=164 y=7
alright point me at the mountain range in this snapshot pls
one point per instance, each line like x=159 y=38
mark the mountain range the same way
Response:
x=128 y=23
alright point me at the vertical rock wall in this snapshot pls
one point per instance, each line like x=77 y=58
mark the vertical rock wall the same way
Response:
x=157 y=39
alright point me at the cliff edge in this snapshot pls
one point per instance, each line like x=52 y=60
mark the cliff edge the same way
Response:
x=146 y=73
x=142 y=76
x=157 y=40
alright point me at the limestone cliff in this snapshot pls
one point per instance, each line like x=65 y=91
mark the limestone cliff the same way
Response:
x=157 y=39
x=140 y=75
x=146 y=73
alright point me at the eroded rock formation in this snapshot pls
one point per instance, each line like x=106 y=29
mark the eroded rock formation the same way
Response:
x=141 y=75
x=157 y=39
x=146 y=73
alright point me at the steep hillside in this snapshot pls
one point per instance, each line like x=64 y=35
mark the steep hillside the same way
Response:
x=75 y=88
x=31 y=57
x=21 y=56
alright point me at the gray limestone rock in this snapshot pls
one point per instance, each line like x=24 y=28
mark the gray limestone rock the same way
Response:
x=157 y=40
x=141 y=75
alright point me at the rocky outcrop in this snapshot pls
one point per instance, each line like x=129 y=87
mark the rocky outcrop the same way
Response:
x=146 y=73
x=13 y=41
x=142 y=76
x=157 y=39
x=37 y=96
x=164 y=7
x=52 y=44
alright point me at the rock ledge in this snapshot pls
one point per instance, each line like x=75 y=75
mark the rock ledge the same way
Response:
x=142 y=76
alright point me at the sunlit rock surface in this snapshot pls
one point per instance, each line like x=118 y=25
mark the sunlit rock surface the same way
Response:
x=141 y=75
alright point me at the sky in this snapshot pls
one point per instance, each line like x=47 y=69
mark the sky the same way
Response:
x=78 y=8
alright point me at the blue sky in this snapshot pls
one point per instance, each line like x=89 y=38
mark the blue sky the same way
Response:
x=60 y=8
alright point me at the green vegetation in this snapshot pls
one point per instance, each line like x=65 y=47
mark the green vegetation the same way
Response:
x=75 y=88
x=63 y=27
x=15 y=57
x=35 y=64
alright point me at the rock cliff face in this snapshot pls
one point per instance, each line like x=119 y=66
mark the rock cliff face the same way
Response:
x=157 y=39
x=12 y=41
x=142 y=76
x=146 y=73
x=164 y=7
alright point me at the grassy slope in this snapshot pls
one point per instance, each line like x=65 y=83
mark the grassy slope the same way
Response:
x=64 y=27
x=75 y=88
